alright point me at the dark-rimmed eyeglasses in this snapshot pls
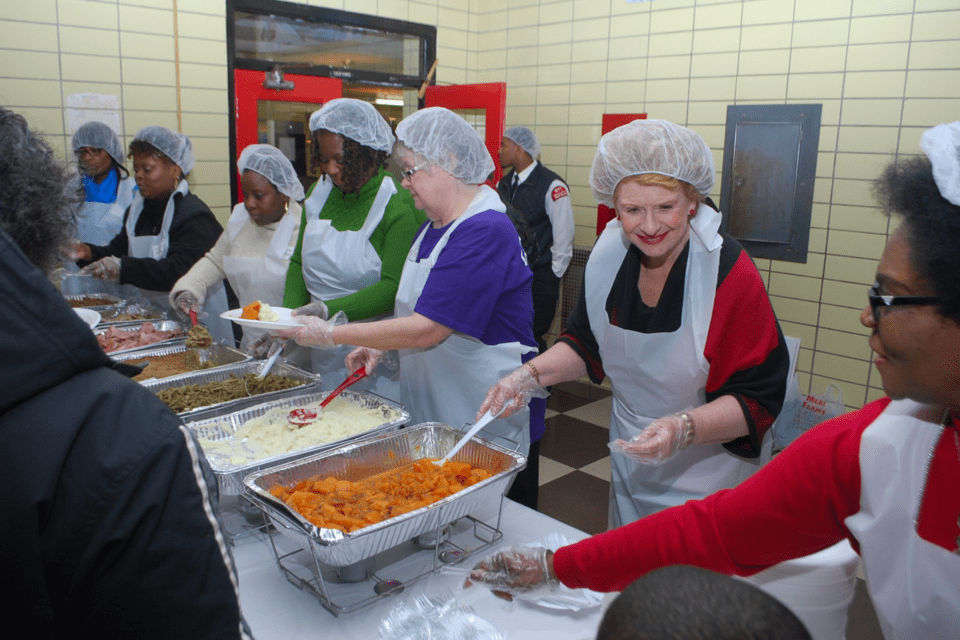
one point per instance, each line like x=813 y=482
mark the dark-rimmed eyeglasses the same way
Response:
x=878 y=301
x=408 y=173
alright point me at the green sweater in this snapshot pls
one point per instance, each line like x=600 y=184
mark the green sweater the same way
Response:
x=391 y=240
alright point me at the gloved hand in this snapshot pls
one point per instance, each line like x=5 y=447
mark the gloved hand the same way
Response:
x=514 y=392
x=318 y=309
x=363 y=357
x=658 y=442
x=313 y=332
x=76 y=251
x=521 y=569
x=262 y=345
x=187 y=302
x=104 y=269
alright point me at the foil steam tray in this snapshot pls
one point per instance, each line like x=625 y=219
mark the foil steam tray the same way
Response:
x=159 y=325
x=218 y=354
x=230 y=476
x=284 y=369
x=370 y=457
x=145 y=313
x=114 y=300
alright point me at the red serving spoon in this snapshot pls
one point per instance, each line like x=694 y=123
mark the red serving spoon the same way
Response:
x=302 y=417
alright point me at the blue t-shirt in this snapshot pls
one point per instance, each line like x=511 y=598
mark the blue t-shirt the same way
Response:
x=481 y=287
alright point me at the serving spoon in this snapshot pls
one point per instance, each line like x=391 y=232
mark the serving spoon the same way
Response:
x=302 y=417
x=484 y=420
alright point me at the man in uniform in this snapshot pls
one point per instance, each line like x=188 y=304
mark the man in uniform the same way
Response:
x=544 y=199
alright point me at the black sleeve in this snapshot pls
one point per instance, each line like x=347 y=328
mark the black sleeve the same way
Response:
x=579 y=336
x=193 y=232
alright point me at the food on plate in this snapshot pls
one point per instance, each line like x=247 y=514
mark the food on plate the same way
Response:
x=90 y=301
x=170 y=365
x=259 y=311
x=341 y=504
x=199 y=338
x=114 y=339
x=192 y=396
x=280 y=431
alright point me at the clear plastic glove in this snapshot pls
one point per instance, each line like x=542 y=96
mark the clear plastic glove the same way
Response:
x=262 y=345
x=520 y=569
x=514 y=392
x=104 y=269
x=318 y=309
x=313 y=332
x=658 y=442
x=187 y=302
x=363 y=357
x=76 y=251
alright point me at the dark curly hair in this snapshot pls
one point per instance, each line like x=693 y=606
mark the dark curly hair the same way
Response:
x=360 y=163
x=907 y=189
x=37 y=208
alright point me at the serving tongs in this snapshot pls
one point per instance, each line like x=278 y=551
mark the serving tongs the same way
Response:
x=484 y=420
x=302 y=417
x=203 y=354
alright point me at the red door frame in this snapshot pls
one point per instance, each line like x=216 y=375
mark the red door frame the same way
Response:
x=491 y=97
x=610 y=122
x=248 y=89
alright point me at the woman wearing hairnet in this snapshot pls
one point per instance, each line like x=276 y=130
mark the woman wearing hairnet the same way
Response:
x=676 y=314
x=884 y=477
x=356 y=229
x=108 y=186
x=464 y=312
x=166 y=228
x=253 y=253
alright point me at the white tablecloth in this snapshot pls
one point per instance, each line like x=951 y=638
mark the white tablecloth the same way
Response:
x=276 y=608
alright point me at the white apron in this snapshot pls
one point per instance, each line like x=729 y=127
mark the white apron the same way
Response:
x=447 y=382
x=261 y=278
x=155 y=247
x=653 y=375
x=913 y=583
x=337 y=264
x=99 y=222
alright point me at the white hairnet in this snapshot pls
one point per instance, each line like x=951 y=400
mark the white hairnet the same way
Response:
x=274 y=166
x=354 y=119
x=174 y=145
x=942 y=146
x=446 y=140
x=525 y=138
x=99 y=136
x=650 y=146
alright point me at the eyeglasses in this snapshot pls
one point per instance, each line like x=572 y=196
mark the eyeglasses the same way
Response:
x=878 y=301
x=408 y=173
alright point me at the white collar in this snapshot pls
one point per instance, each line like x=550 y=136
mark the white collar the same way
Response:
x=523 y=175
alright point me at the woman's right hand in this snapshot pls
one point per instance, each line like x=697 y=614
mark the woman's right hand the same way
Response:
x=186 y=302
x=512 y=392
x=363 y=357
x=79 y=251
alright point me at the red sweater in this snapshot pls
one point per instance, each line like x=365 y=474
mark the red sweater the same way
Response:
x=794 y=506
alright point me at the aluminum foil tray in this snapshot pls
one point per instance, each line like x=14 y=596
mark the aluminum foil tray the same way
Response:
x=219 y=354
x=285 y=369
x=115 y=301
x=376 y=455
x=159 y=325
x=147 y=313
x=230 y=476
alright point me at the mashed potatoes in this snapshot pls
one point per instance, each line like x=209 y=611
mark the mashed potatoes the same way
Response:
x=273 y=433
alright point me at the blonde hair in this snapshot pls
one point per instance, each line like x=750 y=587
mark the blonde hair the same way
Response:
x=659 y=180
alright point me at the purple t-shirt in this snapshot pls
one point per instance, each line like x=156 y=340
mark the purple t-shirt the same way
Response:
x=480 y=286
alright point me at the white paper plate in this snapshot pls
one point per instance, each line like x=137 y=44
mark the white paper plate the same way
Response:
x=286 y=321
x=89 y=316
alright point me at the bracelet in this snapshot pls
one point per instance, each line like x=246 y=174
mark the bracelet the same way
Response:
x=536 y=374
x=691 y=430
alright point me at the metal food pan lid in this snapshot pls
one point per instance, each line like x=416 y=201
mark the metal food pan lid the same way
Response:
x=147 y=312
x=375 y=455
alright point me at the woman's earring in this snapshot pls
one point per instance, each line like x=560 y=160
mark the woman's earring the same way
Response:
x=286 y=206
x=692 y=211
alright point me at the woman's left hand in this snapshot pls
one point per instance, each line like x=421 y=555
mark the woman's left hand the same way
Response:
x=314 y=332
x=659 y=442
x=104 y=269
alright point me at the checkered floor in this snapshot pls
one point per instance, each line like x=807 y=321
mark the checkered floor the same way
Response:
x=574 y=458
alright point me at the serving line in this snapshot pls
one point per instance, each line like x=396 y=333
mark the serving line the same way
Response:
x=275 y=608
